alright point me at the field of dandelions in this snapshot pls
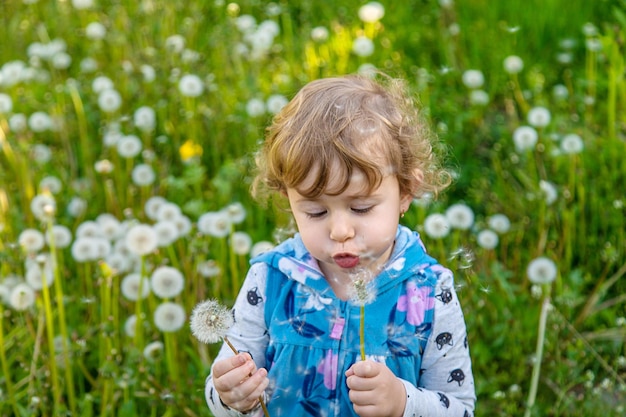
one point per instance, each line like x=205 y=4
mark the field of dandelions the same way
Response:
x=127 y=130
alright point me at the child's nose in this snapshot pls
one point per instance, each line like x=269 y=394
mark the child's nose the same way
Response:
x=341 y=228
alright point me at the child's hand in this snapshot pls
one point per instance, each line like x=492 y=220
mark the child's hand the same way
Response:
x=238 y=382
x=375 y=390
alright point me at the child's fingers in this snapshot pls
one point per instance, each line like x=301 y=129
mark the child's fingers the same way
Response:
x=224 y=366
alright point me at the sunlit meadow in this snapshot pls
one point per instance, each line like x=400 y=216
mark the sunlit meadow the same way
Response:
x=127 y=132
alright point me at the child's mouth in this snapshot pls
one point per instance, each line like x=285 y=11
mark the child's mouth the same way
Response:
x=346 y=261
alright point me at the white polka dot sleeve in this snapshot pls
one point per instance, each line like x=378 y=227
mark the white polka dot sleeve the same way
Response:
x=446 y=385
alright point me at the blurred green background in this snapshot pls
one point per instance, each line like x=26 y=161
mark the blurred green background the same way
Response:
x=121 y=113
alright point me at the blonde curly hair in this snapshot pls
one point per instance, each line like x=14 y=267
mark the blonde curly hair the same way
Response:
x=356 y=123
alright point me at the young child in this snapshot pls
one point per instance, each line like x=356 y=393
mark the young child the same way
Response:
x=349 y=154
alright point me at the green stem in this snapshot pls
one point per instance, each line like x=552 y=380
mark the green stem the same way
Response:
x=58 y=288
x=56 y=390
x=534 y=380
x=138 y=307
x=5 y=367
x=362 y=332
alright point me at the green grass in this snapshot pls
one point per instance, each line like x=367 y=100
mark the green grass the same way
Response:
x=69 y=352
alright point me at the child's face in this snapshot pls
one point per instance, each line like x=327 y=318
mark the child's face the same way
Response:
x=352 y=231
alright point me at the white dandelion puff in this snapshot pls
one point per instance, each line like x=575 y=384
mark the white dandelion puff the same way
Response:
x=215 y=223
x=525 y=138
x=541 y=270
x=109 y=100
x=371 y=12
x=40 y=204
x=572 y=144
x=153 y=351
x=487 y=239
x=130 y=325
x=436 y=226
x=320 y=34
x=209 y=268
x=167 y=282
x=31 y=240
x=129 y=146
x=513 y=64
x=167 y=232
x=22 y=297
x=261 y=247
x=362 y=46
x=538 y=117
x=144 y=119
x=500 y=223
x=255 y=107
x=236 y=212
x=130 y=287
x=168 y=212
x=460 y=216
x=473 y=78
x=141 y=239
x=95 y=31
x=152 y=205
x=275 y=103
x=143 y=175
x=210 y=321
x=190 y=85
x=549 y=191
x=241 y=243
x=169 y=317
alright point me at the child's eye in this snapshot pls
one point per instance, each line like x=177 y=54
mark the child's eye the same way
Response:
x=316 y=215
x=362 y=210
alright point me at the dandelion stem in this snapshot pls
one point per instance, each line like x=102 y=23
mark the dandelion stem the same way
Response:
x=56 y=389
x=58 y=288
x=138 y=307
x=5 y=367
x=534 y=381
x=362 y=332
x=261 y=401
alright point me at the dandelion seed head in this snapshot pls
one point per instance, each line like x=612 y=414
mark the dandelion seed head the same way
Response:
x=190 y=85
x=130 y=287
x=572 y=144
x=261 y=247
x=473 y=78
x=487 y=239
x=141 y=239
x=371 y=12
x=460 y=216
x=436 y=226
x=361 y=291
x=167 y=282
x=210 y=321
x=129 y=326
x=275 y=103
x=539 y=117
x=241 y=243
x=95 y=31
x=109 y=100
x=500 y=223
x=22 y=297
x=363 y=46
x=129 y=146
x=320 y=34
x=31 y=240
x=153 y=351
x=541 y=270
x=209 y=269
x=525 y=138
x=143 y=175
x=255 y=107
x=548 y=191
x=215 y=223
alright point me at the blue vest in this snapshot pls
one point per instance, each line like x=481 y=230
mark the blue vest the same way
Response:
x=314 y=336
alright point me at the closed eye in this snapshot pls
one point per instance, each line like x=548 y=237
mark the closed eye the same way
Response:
x=316 y=215
x=363 y=210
